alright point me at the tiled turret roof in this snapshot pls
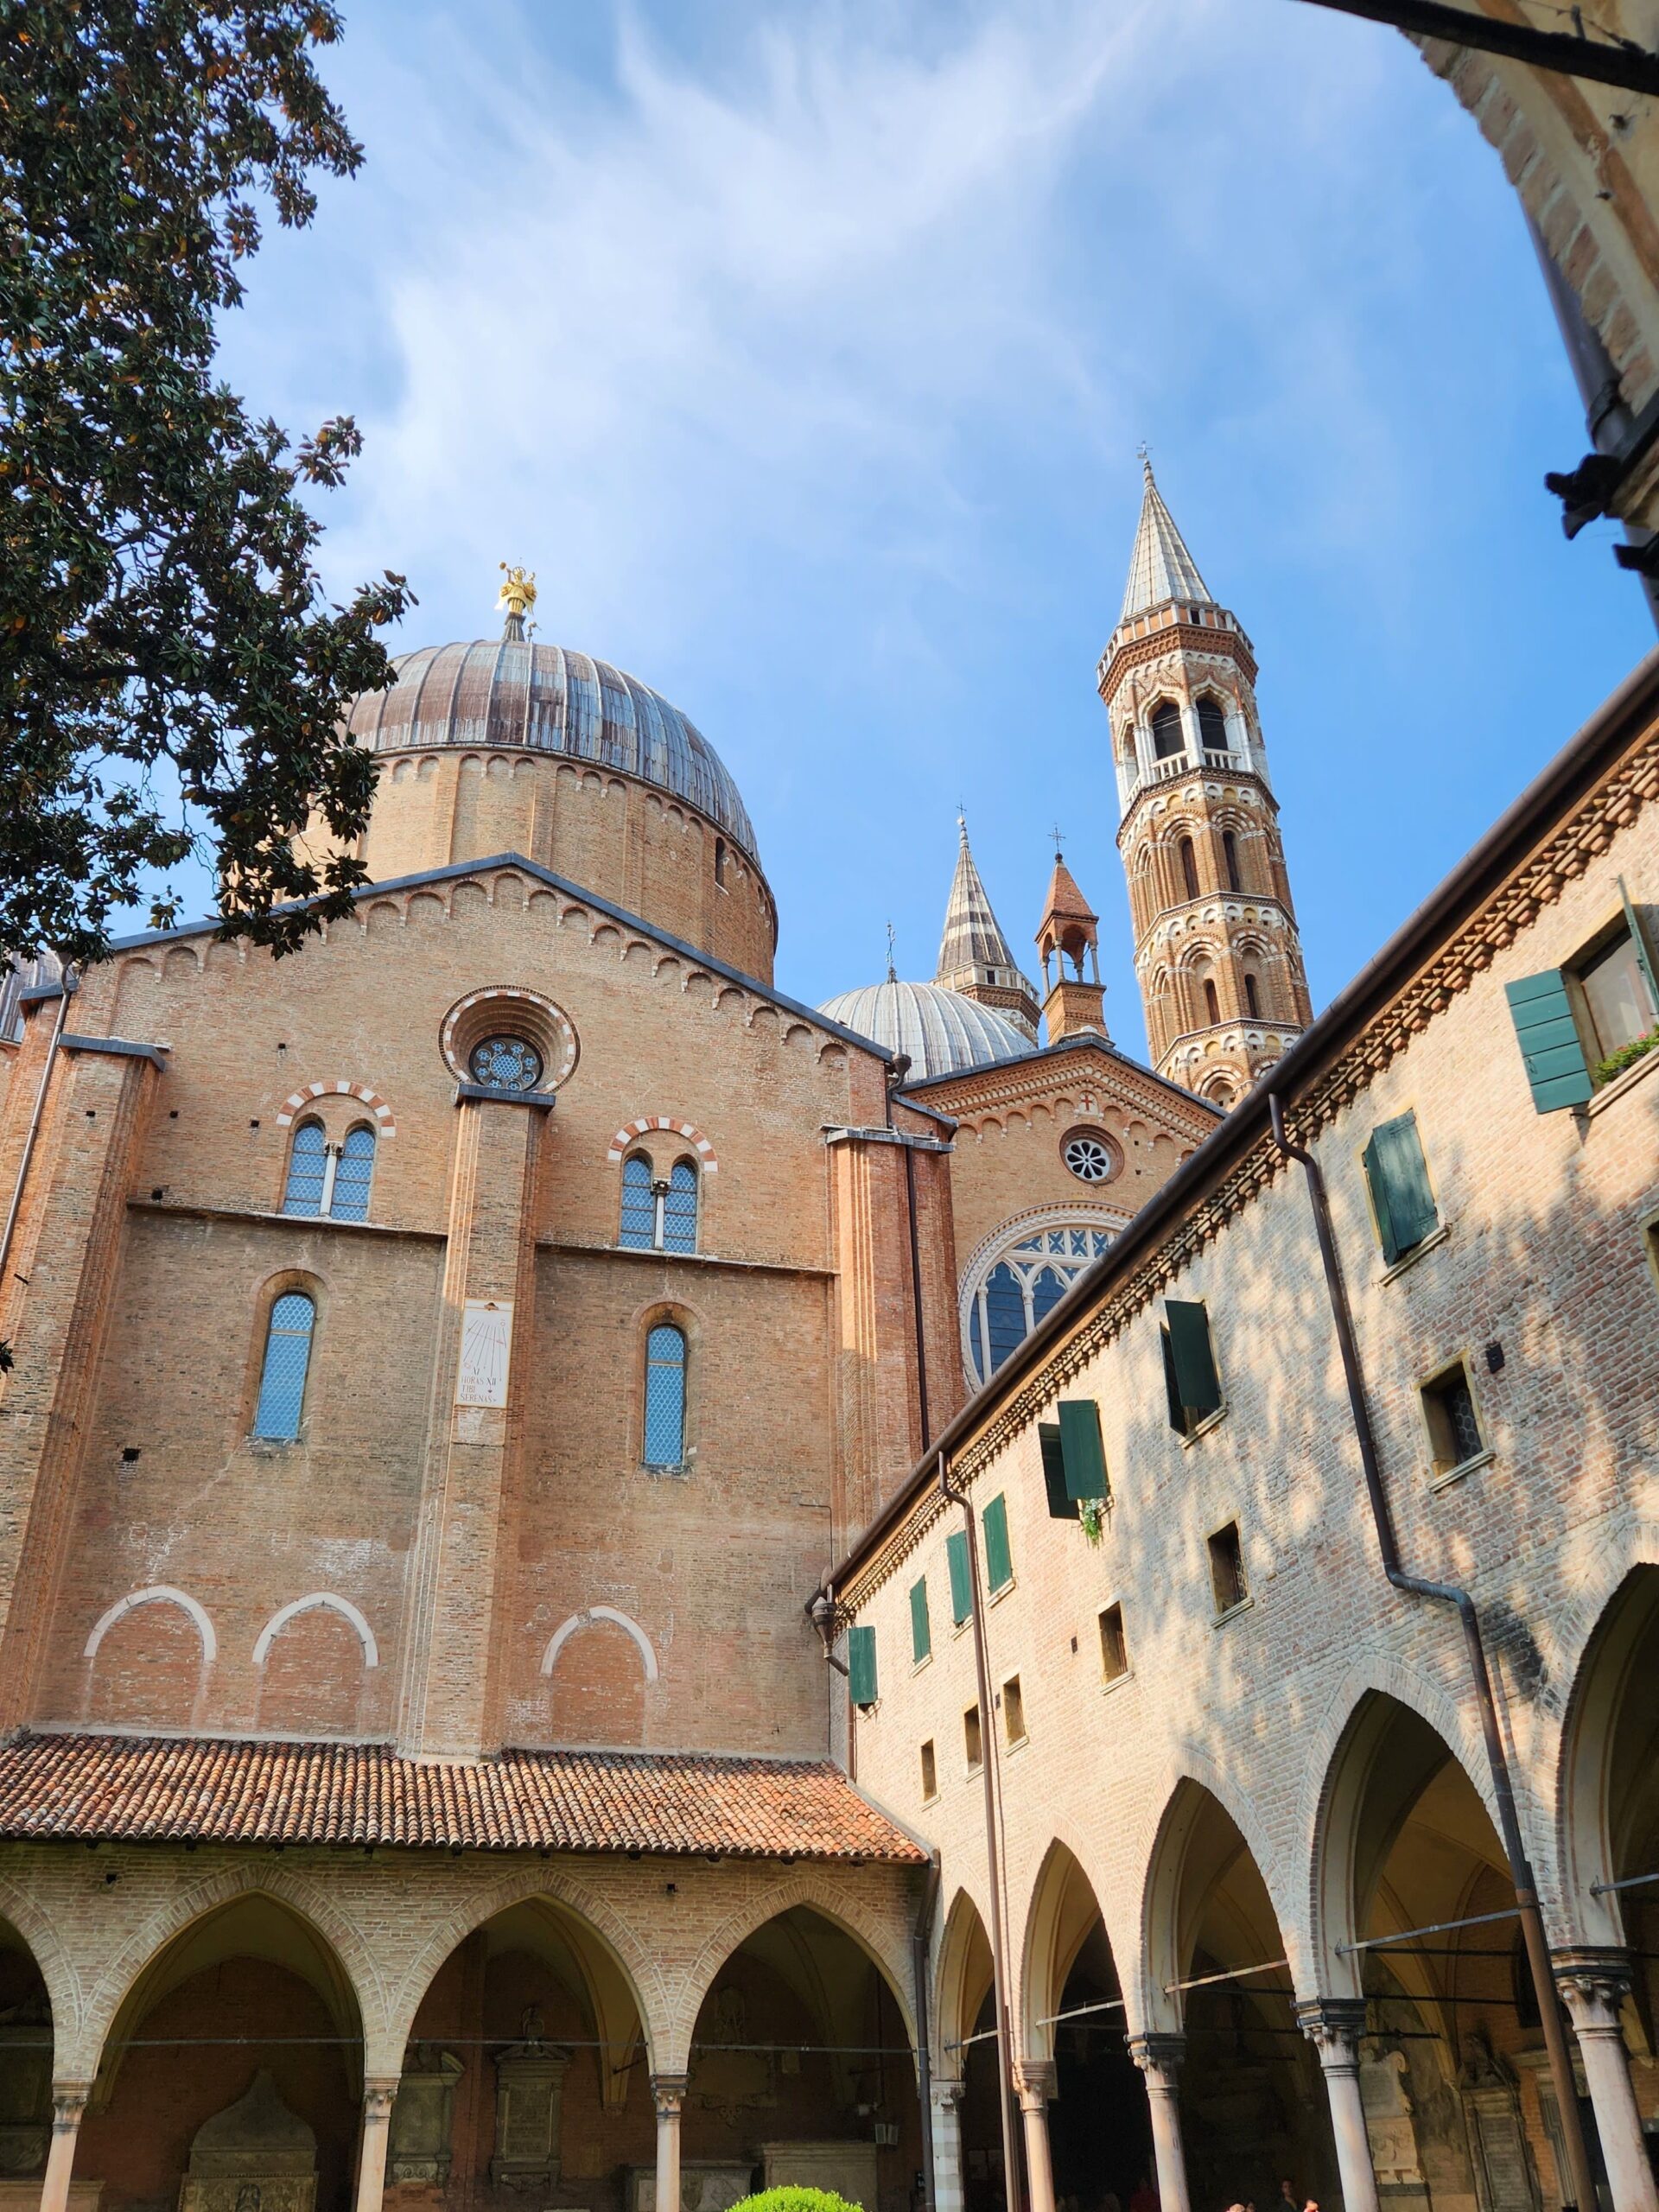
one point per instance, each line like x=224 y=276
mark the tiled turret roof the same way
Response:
x=973 y=937
x=1160 y=568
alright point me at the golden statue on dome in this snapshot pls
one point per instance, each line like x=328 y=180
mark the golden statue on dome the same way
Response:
x=518 y=596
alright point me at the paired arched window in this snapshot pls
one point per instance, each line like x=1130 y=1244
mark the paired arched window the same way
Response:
x=330 y=1181
x=1212 y=725
x=1189 y=867
x=658 y=1215
x=664 y=1424
x=288 y=1360
x=1168 y=740
x=1230 y=860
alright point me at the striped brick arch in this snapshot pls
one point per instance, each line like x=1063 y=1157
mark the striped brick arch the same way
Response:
x=625 y=1136
x=339 y=1088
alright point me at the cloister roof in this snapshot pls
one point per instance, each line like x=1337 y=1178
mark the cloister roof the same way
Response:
x=176 y=1789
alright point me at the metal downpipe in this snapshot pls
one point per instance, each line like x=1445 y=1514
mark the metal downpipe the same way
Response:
x=1521 y=1874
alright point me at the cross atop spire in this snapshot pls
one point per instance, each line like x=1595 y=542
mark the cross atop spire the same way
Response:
x=1160 y=567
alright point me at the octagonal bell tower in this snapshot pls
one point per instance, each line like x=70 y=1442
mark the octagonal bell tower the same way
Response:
x=1217 y=951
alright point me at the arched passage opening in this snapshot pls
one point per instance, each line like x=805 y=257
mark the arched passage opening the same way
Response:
x=526 y=2067
x=1609 y=1846
x=801 y=2071
x=241 y=2035
x=969 y=2136
x=1100 y=2135
x=1453 y=2069
x=25 y=2058
x=1253 y=2109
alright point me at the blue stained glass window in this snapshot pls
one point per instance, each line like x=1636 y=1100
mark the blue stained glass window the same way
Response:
x=288 y=1355
x=354 y=1172
x=1005 y=1312
x=665 y=1396
x=307 y=1164
x=639 y=1206
x=680 y=1209
x=1047 y=1291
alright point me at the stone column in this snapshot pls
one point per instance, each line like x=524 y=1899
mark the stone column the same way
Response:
x=948 y=2195
x=1593 y=1984
x=669 y=2091
x=68 y=2102
x=1334 y=2025
x=1034 y=2084
x=378 y=2098
x=1159 y=2057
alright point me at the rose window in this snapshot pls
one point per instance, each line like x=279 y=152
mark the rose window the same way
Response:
x=506 y=1063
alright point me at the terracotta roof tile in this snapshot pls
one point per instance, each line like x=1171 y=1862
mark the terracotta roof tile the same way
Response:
x=157 y=1789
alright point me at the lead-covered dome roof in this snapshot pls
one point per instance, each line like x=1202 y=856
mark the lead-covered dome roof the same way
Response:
x=503 y=691
x=942 y=1031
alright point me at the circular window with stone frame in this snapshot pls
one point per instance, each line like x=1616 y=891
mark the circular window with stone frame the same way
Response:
x=1092 y=1155
x=508 y=1039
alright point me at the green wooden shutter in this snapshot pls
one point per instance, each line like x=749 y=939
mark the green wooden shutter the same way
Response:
x=860 y=1665
x=1060 y=1507
x=999 y=1560
x=962 y=1595
x=1198 y=1386
x=1085 y=1455
x=1178 y=1420
x=1398 y=1175
x=921 y=1630
x=1551 y=1049
x=1643 y=949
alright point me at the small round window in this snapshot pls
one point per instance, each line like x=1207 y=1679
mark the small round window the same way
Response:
x=1089 y=1158
x=506 y=1063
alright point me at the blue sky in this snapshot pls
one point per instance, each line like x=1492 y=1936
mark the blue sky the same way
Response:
x=803 y=350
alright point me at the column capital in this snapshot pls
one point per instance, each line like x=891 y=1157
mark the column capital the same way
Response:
x=379 y=2097
x=1593 y=1983
x=1333 y=2025
x=1035 y=2081
x=669 y=2091
x=947 y=2095
x=1158 y=2054
x=68 y=2103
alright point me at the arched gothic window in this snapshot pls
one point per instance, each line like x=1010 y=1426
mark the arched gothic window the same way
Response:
x=1027 y=1280
x=1230 y=860
x=1211 y=1002
x=1212 y=725
x=720 y=862
x=664 y=1425
x=287 y=1359
x=330 y=1181
x=1189 y=867
x=1168 y=739
x=657 y=1215
x=1252 y=997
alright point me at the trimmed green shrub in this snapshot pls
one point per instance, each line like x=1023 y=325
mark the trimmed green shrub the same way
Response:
x=795 y=2200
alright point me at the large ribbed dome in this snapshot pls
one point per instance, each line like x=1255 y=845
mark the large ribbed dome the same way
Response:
x=940 y=1029
x=503 y=691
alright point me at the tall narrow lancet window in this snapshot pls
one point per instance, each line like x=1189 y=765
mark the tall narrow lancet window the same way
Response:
x=354 y=1174
x=1212 y=725
x=1168 y=740
x=1252 y=998
x=308 y=1170
x=665 y=1396
x=287 y=1358
x=1189 y=867
x=638 y=1205
x=1211 y=1003
x=1230 y=860
x=679 y=1209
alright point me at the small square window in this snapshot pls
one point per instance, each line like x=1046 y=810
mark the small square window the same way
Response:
x=1453 y=1426
x=929 y=1771
x=972 y=1739
x=1227 y=1568
x=1113 y=1648
x=1014 y=1712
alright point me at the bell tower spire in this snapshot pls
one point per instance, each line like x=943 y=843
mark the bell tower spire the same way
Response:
x=974 y=955
x=1217 y=950
x=1073 y=1005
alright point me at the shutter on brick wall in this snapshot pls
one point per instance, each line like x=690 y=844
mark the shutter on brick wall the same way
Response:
x=1551 y=1048
x=1060 y=1507
x=921 y=1629
x=1198 y=1387
x=1172 y=1388
x=1085 y=1455
x=956 y=1558
x=999 y=1560
x=1398 y=1175
x=860 y=1665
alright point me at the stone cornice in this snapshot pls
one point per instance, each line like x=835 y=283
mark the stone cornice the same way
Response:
x=986 y=1090
x=1209 y=785
x=1119 y=661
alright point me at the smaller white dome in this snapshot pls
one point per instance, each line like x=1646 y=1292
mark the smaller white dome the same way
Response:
x=941 y=1029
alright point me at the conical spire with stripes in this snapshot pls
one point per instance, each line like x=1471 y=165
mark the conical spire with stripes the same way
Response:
x=1160 y=567
x=974 y=955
